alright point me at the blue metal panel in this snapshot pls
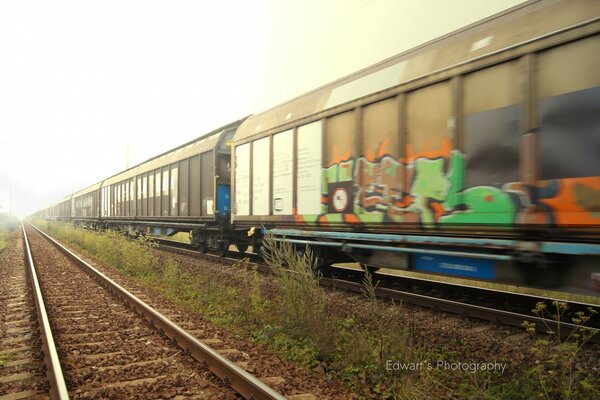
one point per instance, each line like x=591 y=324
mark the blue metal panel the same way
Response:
x=571 y=248
x=223 y=199
x=459 y=266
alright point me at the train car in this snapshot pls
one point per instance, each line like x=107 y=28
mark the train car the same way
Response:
x=473 y=155
x=57 y=211
x=63 y=210
x=184 y=189
x=86 y=206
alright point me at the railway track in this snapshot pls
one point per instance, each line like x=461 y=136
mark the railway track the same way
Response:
x=23 y=372
x=503 y=307
x=113 y=345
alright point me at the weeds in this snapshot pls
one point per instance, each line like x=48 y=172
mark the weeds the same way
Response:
x=8 y=224
x=130 y=256
x=301 y=301
x=555 y=370
x=292 y=315
x=370 y=288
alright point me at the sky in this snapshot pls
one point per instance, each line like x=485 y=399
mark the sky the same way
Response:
x=89 y=87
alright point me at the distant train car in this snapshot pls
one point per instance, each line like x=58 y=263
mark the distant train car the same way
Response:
x=86 y=206
x=473 y=155
x=58 y=211
x=184 y=189
x=63 y=210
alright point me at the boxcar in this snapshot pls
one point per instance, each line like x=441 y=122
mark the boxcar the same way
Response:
x=184 y=189
x=63 y=210
x=474 y=155
x=86 y=206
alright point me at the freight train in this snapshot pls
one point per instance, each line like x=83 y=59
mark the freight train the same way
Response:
x=475 y=155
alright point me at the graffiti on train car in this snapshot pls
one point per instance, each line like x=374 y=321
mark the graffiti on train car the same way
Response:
x=431 y=190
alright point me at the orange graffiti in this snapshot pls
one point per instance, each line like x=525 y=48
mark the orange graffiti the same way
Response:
x=323 y=220
x=337 y=157
x=369 y=156
x=567 y=208
x=438 y=210
x=444 y=151
x=380 y=152
x=404 y=202
x=351 y=219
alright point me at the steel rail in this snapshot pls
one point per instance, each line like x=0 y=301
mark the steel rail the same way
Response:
x=471 y=310
x=58 y=387
x=247 y=385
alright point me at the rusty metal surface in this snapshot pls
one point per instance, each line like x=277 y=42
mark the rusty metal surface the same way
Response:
x=522 y=24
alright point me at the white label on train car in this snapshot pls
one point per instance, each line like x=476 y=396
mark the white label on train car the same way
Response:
x=371 y=83
x=283 y=161
x=310 y=154
x=242 y=179
x=261 y=158
x=481 y=43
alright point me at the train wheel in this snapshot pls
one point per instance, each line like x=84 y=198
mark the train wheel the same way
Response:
x=223 y=248
x=200 y=242
x=242 y=248
x=323 y=266
x=202 y=247
x=257 y=248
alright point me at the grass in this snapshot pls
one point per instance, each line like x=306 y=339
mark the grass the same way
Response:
x=8 y=225
x=182 y=237
x=360 y=345
x=558 y=376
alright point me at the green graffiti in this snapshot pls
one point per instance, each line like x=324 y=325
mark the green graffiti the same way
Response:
x=484 y=204
x=341 y=172
x=456 y=177
x=371 y=217
x=430 y=180
x=334 y=218
x=430 y=183
x=437 y=195
x=311 y=218
x=480 y=204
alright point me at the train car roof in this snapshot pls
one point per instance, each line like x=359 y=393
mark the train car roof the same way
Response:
x=199 y=145
x=520 y=24
x=88 y=189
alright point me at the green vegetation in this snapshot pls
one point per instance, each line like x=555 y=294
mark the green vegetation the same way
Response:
x=183 y=237
x=8 y=224
x=113 y=248
x=370 y=345
x=557 y=376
